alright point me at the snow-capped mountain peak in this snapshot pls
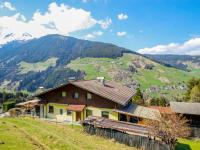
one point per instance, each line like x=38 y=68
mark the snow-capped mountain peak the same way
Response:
x=8 y=37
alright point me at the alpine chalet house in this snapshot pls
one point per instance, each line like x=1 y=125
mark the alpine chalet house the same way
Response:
x=77 y=100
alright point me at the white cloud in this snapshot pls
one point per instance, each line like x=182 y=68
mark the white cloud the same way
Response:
x=93 y=35
x=89 y=36
x=59 y=19
x=8 y=6
x=190 y=47
x=98 y=33
x=122 y=33
x=122 y=16
x=105 y=23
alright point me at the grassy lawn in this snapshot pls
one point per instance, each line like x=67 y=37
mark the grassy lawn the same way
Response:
x=33 y=134
x=184 y=144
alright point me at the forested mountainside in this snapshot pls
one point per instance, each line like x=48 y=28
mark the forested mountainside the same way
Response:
x=184 y=62
x=26 y=65
x=50 y=60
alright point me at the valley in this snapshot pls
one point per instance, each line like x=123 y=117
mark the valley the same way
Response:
x=159 y=80
x=55 y=58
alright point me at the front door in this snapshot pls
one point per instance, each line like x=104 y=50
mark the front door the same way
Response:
x=78 y=116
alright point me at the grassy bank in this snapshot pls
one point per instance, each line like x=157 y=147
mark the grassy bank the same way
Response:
x=184 y=144
x=26 y=133
x=33 y=134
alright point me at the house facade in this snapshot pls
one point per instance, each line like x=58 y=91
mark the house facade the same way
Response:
x=77 y=100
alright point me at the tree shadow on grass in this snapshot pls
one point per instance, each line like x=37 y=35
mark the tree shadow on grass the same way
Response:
x=181 y=146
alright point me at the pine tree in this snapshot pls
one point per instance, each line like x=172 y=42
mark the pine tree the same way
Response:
x=195 y=93
x=138 y=97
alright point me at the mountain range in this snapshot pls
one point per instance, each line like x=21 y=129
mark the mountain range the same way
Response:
x=50 y=60
x=184 y=62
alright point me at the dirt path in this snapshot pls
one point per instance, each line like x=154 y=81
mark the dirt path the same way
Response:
x=34 y=140
x=53 y=133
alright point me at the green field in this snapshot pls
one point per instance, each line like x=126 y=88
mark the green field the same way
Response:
x=30 y=134
x=184 y=144
x=38 y=66
x=33 y=134
x=160 y=75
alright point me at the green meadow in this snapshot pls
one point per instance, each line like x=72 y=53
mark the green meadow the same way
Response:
x=33 y=134
x=160 y=75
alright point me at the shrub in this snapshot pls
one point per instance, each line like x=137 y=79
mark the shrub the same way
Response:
x=8 y=105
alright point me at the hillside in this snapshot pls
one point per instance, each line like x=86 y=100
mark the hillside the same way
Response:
x=26 y=65
x=50 y=60
x=30 y=134
x=184 y=62
x=27 y=133
x=133 y=70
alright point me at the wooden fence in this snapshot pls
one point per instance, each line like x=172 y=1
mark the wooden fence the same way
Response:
x=129 y=138
x=195 y=132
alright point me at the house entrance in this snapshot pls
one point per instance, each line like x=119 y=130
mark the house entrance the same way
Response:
x=78 y=116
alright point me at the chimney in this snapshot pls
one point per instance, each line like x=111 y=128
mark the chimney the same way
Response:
x=101 y=80
x=40 y=89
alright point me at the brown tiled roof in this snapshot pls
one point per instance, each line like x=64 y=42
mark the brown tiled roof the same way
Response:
x=76 y=107
x=162 y=110
x=109 y=90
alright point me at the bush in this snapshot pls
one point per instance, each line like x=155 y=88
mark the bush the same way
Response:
x=149 y=66
x=8 y=105
x=138 y=97
x=162 y=101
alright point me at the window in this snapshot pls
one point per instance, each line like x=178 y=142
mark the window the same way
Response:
x=51 y=109
x=89 y=96
x=88 y=112
x=75 y=95
x=64 y=94
x=105 y=114
x=61 y=111
x=69 y=112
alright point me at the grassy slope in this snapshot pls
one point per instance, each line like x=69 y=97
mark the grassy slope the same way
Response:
x=159 y=76
x=185 y=144
x=36 y=67
x=26 y=133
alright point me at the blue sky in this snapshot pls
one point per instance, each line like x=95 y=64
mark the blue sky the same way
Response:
x=150 y=26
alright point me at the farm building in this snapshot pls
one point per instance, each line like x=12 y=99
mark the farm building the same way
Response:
x=30 y=107
x=189 y=110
